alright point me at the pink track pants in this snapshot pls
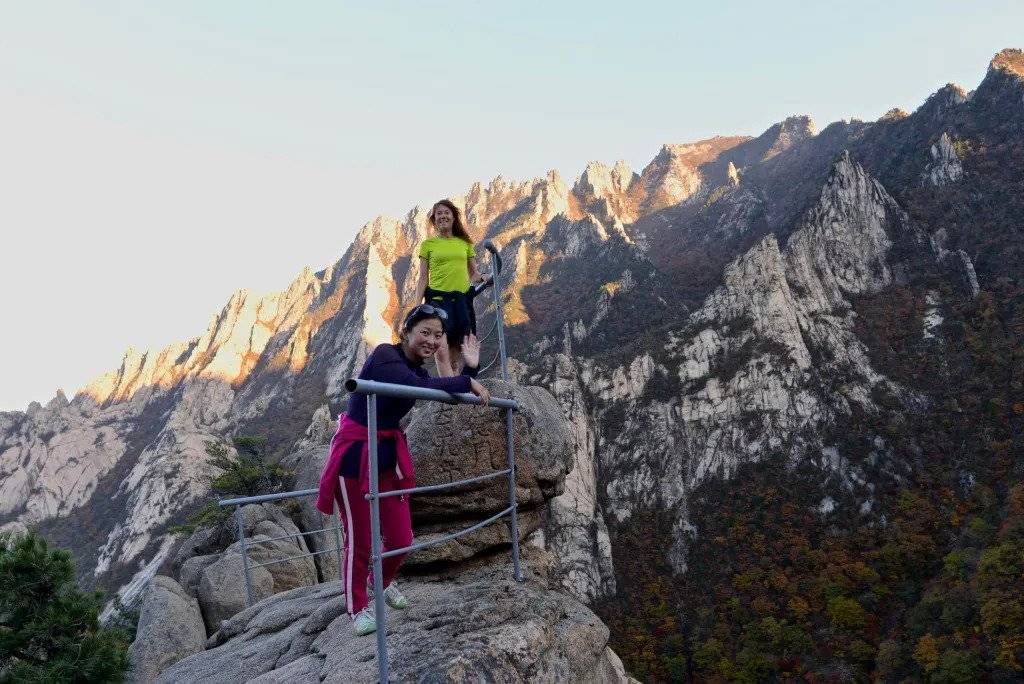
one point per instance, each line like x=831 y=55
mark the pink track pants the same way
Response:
x=395 y=532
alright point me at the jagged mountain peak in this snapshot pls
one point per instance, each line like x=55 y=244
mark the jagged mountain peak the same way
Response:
x=58 y=402
x=382 y=228
x=227 y=351
x=846 y=174
x=942 y=102
x=608 y=194
x=894 y=114
x=622 y=169
x=674 y=174
x=554 y=177
x=600 y=180
x=1010 y=60
x=1001 y=92
x=788 y=132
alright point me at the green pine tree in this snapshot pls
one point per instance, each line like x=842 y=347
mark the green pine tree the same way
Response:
x=49 y=629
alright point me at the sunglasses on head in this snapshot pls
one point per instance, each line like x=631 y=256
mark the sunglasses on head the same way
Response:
x=425 y=310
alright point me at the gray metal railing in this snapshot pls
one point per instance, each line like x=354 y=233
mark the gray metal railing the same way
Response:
x=372 y=390
x=499 y=316
x=239 y=502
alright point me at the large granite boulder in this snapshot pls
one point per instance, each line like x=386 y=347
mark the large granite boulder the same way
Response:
x=458 y=442
x=221 y=588
x=210 y=567
x=170 y=628
x=479 y=625
x=452 y=443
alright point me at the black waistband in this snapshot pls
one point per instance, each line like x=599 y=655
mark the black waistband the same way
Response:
x=431 y=293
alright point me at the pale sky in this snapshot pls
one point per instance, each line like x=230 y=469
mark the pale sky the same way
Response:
x=156 y=157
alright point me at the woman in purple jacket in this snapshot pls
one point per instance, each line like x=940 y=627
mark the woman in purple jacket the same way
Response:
x=345 y=475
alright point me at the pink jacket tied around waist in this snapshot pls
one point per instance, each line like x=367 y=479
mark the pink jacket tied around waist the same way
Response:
x=349 y=432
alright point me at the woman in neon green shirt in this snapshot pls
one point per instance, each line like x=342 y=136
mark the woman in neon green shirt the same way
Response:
x=447 y=268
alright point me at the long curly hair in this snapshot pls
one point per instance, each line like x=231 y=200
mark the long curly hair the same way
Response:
x=458 y=227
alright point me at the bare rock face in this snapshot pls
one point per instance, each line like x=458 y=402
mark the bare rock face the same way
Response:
x=170 y=628
x=458 y=442
x=792 y=131
x=52 y=456
x=452 y=443
x=480 y=625
x=945 y=166
x=209 y=563
x=746 y=374
x=576 y=532
x=221 y=589
x=14 y=529
x=609 y=194
x=496 y=535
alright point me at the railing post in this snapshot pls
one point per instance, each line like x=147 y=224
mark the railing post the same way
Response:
x=499 y=313
x=378 y=570
x=245 y=556
x=517 y=571
x=337 y=539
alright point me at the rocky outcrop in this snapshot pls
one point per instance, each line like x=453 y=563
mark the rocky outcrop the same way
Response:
x=674 y=174
x=14 y=529
x=170 y=628
x=784 y=135
x=477 y=625
x=609 y=194
x=209 y=564
x=451 y=443
x=945 y=166
x=576 y=532
x=307 y=463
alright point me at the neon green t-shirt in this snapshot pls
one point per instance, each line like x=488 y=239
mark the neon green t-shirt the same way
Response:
x=447 y=259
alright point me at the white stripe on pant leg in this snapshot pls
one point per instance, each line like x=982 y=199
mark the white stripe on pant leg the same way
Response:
x=349 y=544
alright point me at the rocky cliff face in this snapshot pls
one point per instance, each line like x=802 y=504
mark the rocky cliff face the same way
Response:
x=690 y=319
x=767 y=361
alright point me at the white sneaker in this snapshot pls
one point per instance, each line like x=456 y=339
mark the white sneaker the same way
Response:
x=364 y=622
x=393 y=596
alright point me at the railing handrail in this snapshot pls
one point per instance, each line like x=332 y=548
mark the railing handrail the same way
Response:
x=264 y=498
x=439 y=487
x=390 y=389
x=448 y=537
x=270 y=540
x=243 y=500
